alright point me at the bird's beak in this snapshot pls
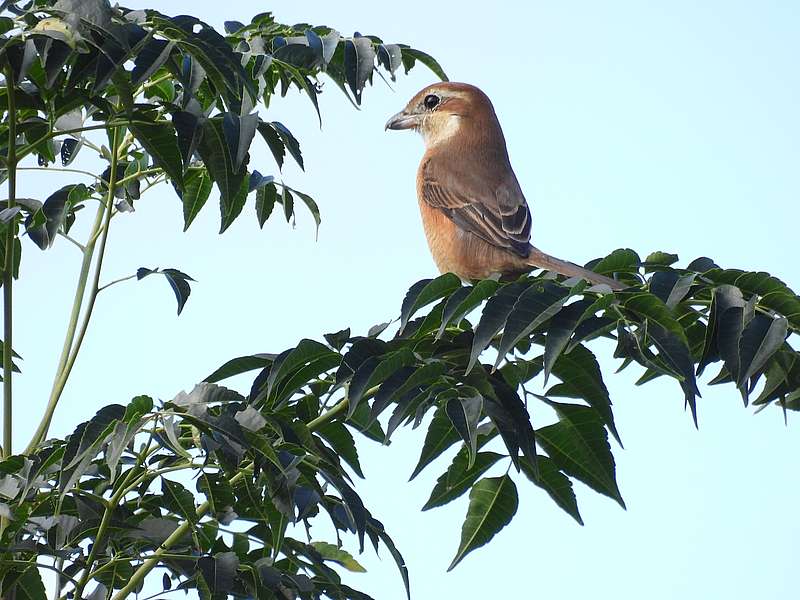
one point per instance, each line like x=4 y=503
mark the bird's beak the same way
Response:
x=402 y=120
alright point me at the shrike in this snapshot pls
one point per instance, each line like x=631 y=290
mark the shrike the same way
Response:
x=476 y=219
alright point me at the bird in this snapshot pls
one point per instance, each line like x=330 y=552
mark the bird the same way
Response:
x=476 y=219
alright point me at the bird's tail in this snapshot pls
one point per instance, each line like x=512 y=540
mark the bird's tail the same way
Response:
x=540 y=260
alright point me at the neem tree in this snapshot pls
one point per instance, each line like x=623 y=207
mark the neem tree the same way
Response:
x=169 y=99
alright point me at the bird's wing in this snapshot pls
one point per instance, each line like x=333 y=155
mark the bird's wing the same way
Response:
x=495 y=211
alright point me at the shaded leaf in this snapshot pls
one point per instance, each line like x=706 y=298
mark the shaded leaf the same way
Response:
x=578 y=445
x=493 y=318
x=359 y=61
x=465 y=414
x=178 y=281
x=555 y=483
x=761 y=338
x=459 y=477
x=196 y=190
x=232 y=184
x=581 y=378
x=534 y=306
x=492 y=504
x=161 y=143
x=241 y=364
x=441 y=435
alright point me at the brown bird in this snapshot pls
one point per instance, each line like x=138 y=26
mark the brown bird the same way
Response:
x=476 y=219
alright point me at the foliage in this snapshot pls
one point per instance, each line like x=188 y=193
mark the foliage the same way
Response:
x=216 y=488
x=164 y=99
x=279 y=456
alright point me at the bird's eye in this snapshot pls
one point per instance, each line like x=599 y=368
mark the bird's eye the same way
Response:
x=431 y=100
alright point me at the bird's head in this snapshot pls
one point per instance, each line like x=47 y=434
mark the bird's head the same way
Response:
x=441 y=110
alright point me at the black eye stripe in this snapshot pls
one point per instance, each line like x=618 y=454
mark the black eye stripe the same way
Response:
x=431 y=101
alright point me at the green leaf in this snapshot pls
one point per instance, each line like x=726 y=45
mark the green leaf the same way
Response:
x=265 y=202
x=335 y=554
x=304 y=376
x=730 y=326
x=23 y=583
x=562 y=326
x=217 y=491
x=752 y=282
x=232 y=184
x=359 y=62
x=160 y=142
x=493 y=318
x=138 y=407
x=578 y=445
x=555 y=483
x=290 y=361
x=622 y=260
x=239 y=132
x=196 y=190
x=42 y=226
x=650 y=306
x=289 y=142
x=676 y=355
x=342 y=442
x=149 y=59
x=424 y=292
x=178 y=499
x=376 y=529
x=671 y=287
x=464 y=300
x=534 y=306
x=372 y=372
x=581 y=378
x=783 y=376
x=312 y=207
x=785 y=304
x=287 y=200
x=404 y=381
x=411 y=55
x=659 y=259
x=116 y=576
x=761 y=338
x=188 y=129
x=465 y=414
x=370 y=428
x=178 y=281
x=273 y=140
x=219 y=572
x=441 y=435
x=723 y=298
x=459 y=477
x=239 y=365
x=390 y=57
x=492 y=504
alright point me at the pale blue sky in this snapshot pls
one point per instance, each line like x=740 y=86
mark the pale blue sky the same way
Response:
x=656 y=126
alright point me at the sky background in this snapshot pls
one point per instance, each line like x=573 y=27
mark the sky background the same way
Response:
x=655 y=126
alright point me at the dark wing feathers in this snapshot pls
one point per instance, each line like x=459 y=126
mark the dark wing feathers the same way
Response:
x=495 y=211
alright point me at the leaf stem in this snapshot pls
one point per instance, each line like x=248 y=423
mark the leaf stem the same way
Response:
x=138 y=174
x=25 y=150
x=328 y=416
x=120 y=280
x=80 y=246
x=59 y=170
x=8 y=277
x=72 y=344
x=8 y=272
